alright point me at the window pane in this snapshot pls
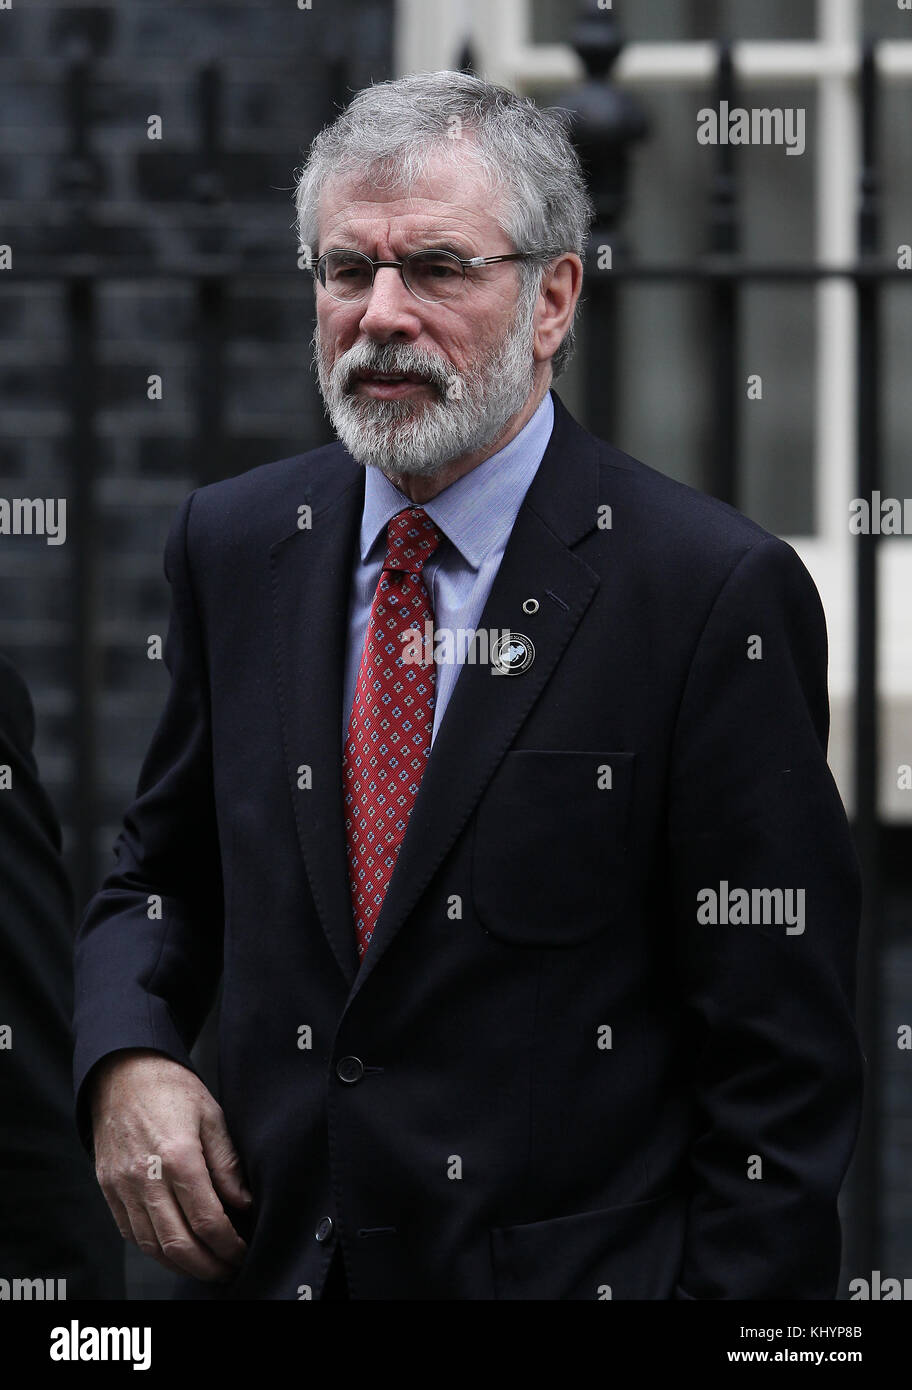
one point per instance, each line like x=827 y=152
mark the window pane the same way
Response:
x=777 y=431
x=670 y=178
x=895 y=180
x=672 y=181
x=896 y=354
x=658 y=21
x=664 y=406
x=883 y=19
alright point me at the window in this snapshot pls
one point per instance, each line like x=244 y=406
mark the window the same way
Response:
x=798 y=445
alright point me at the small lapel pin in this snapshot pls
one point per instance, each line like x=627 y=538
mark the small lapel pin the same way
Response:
x=512 y=654
x=530 y=605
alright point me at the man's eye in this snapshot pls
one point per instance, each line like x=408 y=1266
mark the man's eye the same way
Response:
x=439 y=268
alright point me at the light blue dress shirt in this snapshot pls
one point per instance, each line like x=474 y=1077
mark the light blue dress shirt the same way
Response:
x=475 y=515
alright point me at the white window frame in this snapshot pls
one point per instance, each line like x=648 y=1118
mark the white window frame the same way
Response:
x=430 y=35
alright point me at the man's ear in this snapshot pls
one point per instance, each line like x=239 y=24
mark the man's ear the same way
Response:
x=560 y=289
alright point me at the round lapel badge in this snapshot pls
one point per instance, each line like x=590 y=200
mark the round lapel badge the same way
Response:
x=512 y=654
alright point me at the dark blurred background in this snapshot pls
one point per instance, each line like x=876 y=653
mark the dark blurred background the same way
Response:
x=134 y=258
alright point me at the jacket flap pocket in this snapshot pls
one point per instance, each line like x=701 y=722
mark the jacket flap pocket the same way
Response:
x=615 y=1253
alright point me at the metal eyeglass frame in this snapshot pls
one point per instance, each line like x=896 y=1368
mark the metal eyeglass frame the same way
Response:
x=464 y=263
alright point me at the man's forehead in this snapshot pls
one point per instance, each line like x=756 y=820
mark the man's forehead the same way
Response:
x=420 y=228
x=449 y=203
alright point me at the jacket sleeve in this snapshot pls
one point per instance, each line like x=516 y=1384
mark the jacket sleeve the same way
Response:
x=149 y=947
x=53 y=1217
x=775 y=1066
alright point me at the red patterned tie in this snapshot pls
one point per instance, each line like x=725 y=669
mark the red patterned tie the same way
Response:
x=389 y=734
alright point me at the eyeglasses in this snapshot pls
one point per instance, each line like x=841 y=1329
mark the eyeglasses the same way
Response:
x=432 y=276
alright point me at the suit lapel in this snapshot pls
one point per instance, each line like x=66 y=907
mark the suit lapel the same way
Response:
x=485 y=712
x=311 y=573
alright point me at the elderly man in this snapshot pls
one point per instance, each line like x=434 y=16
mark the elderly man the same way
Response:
x=537 y=951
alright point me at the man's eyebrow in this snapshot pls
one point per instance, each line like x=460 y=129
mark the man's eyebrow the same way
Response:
x=441 y=241
x=415 y=241
x=458 y=248
x=341 y=233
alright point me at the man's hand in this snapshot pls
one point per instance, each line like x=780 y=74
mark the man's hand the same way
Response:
x=145 y=1107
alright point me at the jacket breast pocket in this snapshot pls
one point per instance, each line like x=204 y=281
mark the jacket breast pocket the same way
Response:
x=550 y=844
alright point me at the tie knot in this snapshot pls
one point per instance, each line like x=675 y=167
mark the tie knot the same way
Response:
x=411 y=539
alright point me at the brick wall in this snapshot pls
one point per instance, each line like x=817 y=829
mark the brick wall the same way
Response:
x=150 y=204
x=138 y=203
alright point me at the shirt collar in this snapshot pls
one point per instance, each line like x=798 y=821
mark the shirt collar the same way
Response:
x=477 y=512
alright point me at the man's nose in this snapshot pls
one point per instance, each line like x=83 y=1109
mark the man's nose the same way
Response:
x=389 y=307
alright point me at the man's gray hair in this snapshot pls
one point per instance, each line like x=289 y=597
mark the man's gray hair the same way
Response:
x=391 y=131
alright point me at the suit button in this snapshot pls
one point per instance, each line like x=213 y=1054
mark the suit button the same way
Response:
x=324 y=1229
x=350 y=1069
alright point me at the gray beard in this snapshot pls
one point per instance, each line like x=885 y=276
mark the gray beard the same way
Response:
x=421 y=437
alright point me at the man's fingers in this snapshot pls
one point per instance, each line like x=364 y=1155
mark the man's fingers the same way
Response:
x=143 y=1236
x=120 y=1214
x=149 y=1107
x=222 y=1160
x=135 y=1227
x=155 y=1224
x=179 y=1244
x=206 y=1217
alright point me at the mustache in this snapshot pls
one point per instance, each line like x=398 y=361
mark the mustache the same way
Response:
x=390 y=360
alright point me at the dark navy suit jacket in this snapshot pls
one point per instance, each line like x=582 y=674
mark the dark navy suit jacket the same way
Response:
x=54 y=1224
x=564 y=1080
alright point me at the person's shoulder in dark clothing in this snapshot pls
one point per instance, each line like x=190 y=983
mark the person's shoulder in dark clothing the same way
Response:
x=54 y=1222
